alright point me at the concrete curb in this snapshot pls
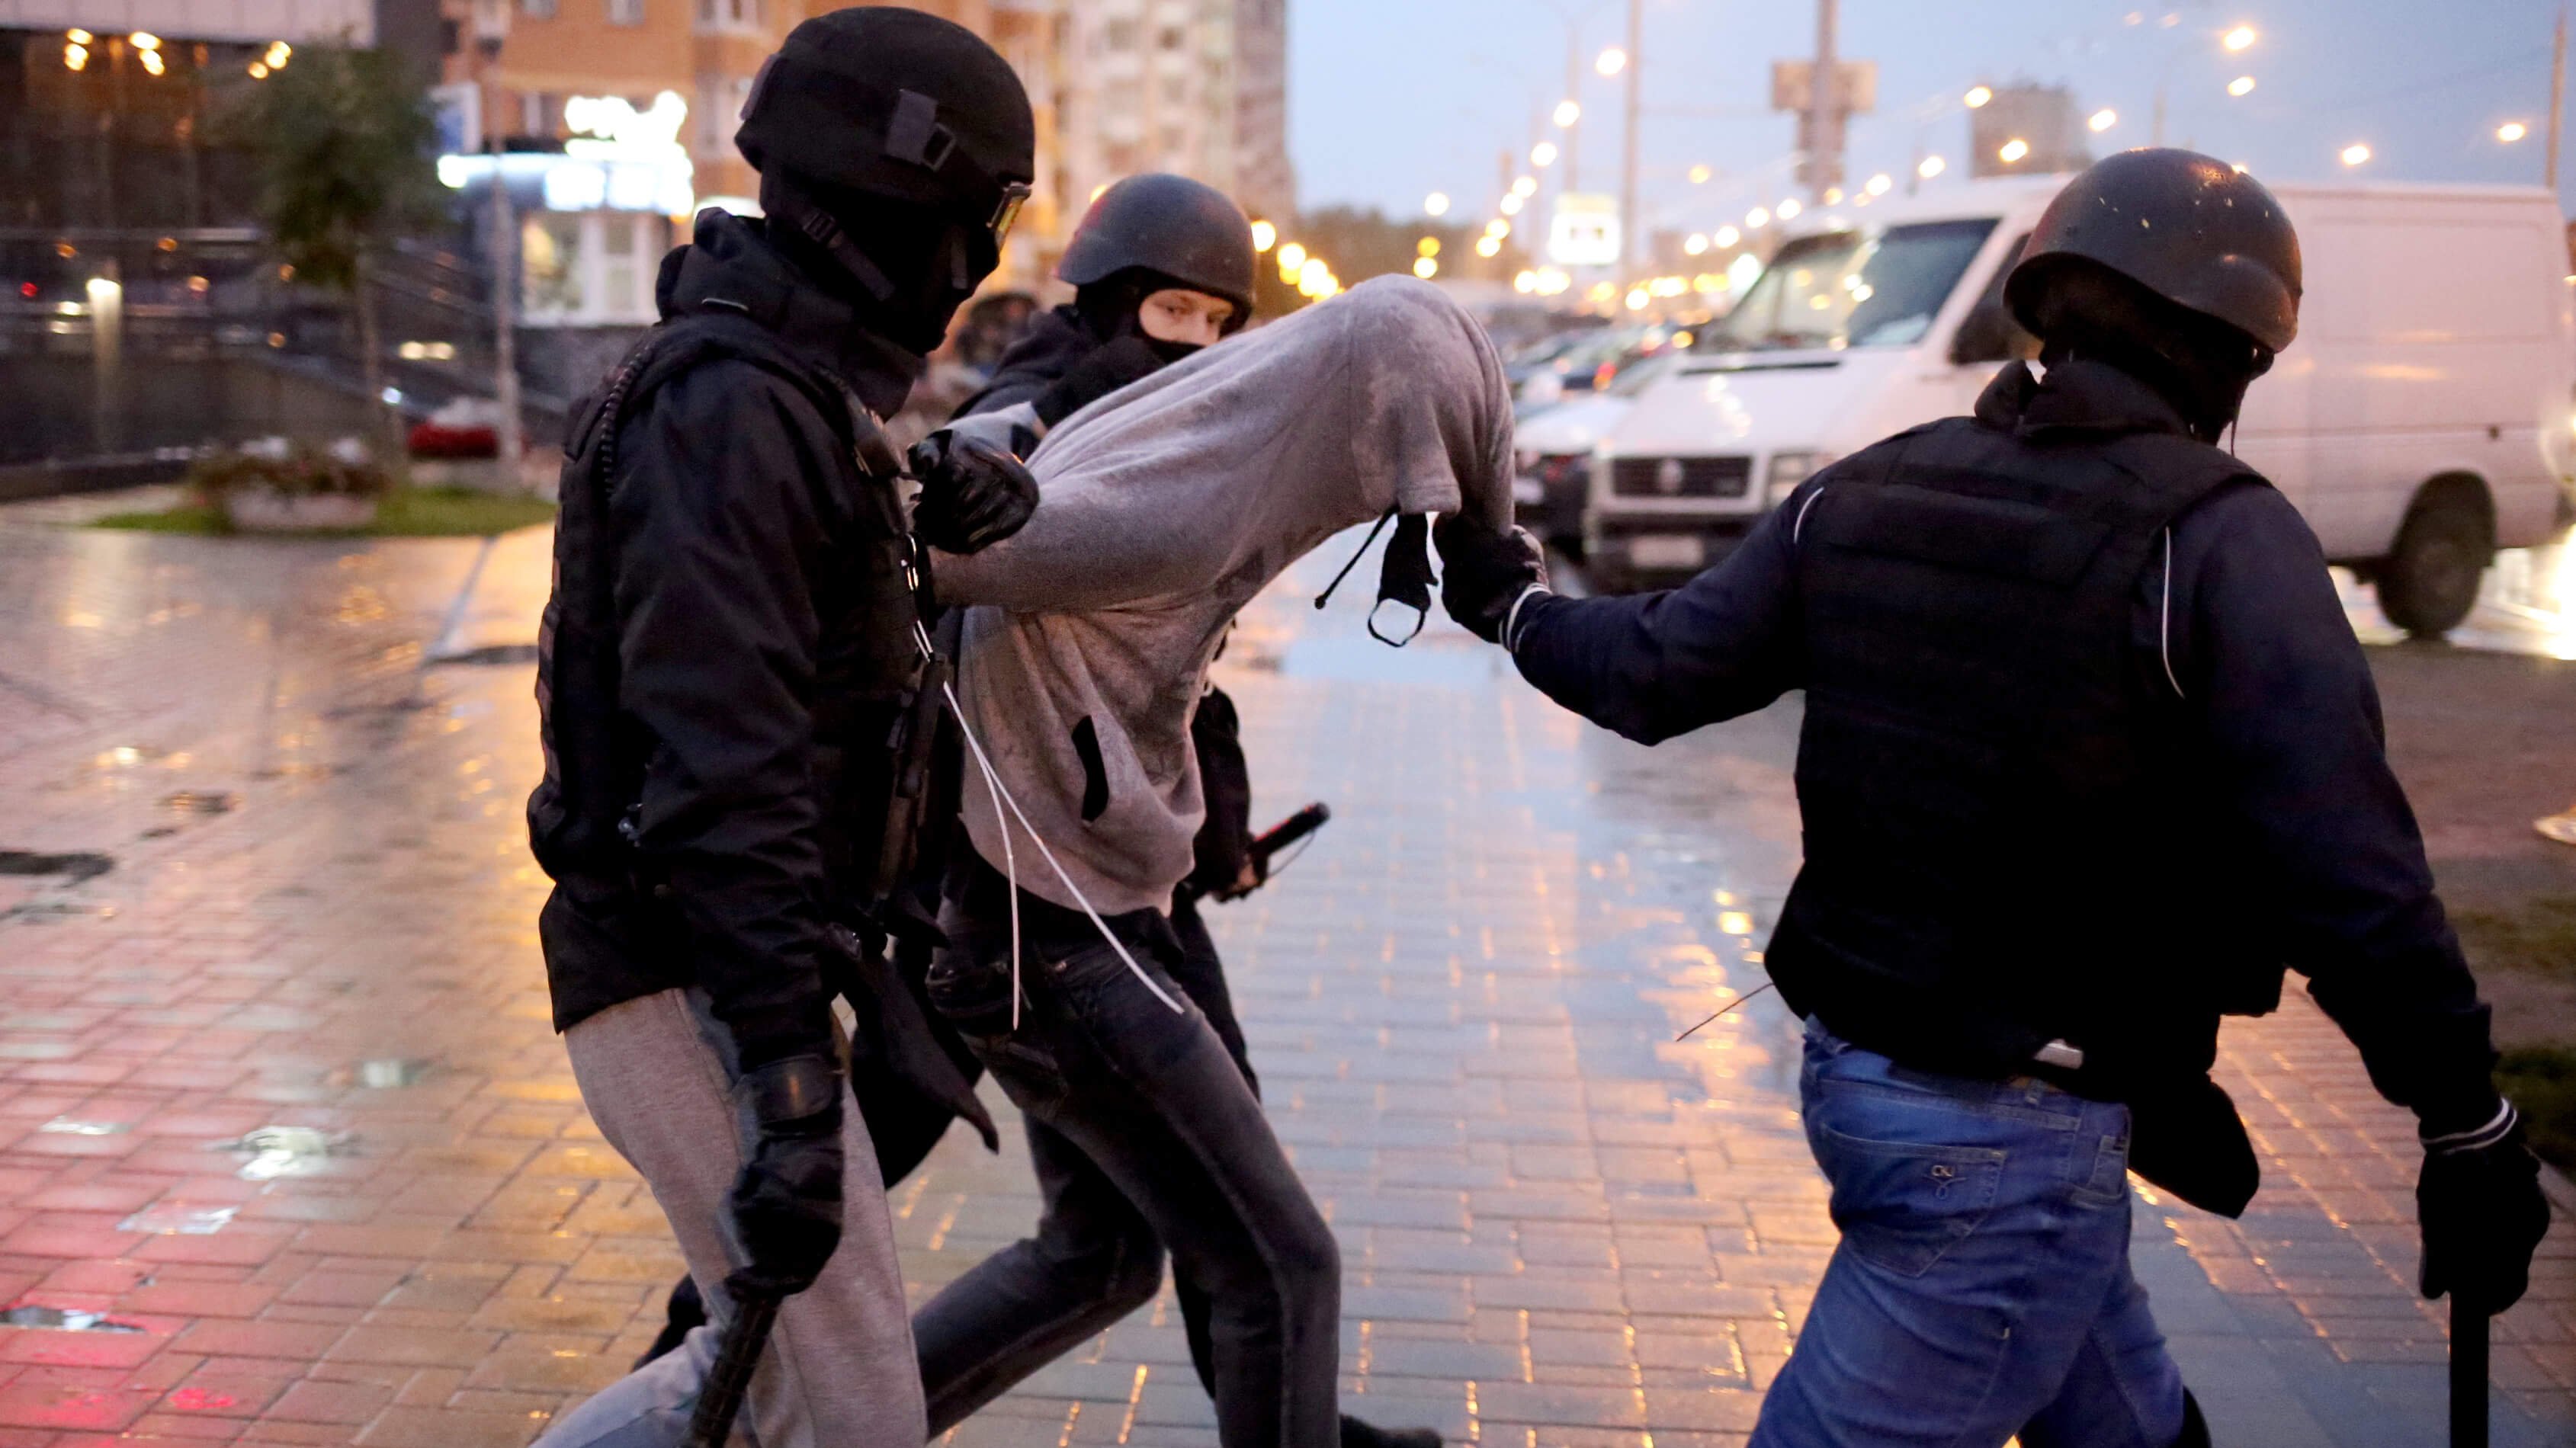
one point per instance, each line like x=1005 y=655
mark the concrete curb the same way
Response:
x=2559 y=1189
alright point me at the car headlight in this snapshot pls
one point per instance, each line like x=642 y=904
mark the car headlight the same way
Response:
x=1789 y=469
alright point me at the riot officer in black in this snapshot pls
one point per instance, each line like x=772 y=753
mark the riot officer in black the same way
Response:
x=2089 y=756
x=730 y=647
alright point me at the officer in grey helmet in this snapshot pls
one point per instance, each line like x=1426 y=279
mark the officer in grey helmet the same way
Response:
x=2089 y=757
x=729 y=648
x=1161 y=266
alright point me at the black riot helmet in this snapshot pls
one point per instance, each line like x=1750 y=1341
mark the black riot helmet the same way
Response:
x=894 y=149
x=1185 y=233
x=2194 y=231
x=895 y=104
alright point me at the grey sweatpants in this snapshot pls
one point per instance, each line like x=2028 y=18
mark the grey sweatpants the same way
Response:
x=840 y=1371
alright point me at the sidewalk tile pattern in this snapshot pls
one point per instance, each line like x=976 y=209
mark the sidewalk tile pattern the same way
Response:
x=279 y=1099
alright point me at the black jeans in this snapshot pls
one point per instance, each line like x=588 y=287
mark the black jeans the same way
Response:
x=1146 y=1134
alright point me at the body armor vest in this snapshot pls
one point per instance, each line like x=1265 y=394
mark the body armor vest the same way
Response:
x=2004 y=844
x=869 y=674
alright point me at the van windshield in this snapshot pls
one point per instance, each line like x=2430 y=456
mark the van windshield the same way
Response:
x=1850 y=289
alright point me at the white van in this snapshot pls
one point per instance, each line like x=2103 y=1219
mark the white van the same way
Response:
x=2421 y=420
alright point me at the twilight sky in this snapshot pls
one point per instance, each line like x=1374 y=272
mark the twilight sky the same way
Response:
x=1391 y=99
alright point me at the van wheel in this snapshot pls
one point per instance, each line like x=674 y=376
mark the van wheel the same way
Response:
x=2429 y=581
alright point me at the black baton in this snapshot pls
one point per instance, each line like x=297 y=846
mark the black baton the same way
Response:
x=730 y=1379
x=2468 y=1376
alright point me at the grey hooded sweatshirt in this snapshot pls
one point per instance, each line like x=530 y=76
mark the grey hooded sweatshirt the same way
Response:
x=1165 y=507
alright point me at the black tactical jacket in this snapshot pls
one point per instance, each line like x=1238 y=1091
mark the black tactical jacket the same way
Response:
x=725 y=652
x=2090 y=751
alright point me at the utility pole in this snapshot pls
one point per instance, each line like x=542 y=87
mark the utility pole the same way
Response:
x=492 y=24
x=1573 y=92
x=1628 y=151
x=2557 y=97
x=1824 y=111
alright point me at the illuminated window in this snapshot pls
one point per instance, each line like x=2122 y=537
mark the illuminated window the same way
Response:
x=625 y=12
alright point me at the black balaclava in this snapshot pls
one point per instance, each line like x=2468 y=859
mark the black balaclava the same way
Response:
x=1109 y=308
x=906 y=269
x=2197 y=363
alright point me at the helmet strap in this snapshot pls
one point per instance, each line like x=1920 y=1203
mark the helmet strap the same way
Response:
x=799 y=212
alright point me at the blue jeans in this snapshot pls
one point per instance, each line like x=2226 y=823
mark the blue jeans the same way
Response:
x=1982 y=1287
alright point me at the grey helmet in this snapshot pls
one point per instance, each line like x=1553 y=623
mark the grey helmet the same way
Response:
x=2193 y=230
x=1172 y=226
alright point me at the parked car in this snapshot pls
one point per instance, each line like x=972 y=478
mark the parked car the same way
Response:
x=1590 y=366
x=2422 y=420
x=1552 y=453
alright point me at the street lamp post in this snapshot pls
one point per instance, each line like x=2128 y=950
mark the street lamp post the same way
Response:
x=1824 y=142
x=1628 y=147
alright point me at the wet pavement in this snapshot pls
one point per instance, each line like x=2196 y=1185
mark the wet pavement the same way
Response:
x=288 y=1153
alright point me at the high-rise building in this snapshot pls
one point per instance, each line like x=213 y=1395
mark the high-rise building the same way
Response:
x=1264 y=181
x=2027 y=130
x=1193 y=86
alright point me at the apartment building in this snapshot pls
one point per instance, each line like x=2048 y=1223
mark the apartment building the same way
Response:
x=1193 y=86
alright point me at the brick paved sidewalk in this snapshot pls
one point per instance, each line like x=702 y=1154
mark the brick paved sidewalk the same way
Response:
x=1560 y=1226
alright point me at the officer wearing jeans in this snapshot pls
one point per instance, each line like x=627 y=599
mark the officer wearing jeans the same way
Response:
x=2089 y=757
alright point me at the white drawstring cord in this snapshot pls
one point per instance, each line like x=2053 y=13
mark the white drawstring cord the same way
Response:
x=1002 y=796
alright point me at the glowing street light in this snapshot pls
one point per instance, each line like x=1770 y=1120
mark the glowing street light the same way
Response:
x=1756 y=219
x=1489 y=247
x=1264 y=236
x=2356 y=154
x=1314 y=273
x=2241 y=87
x=152 y=62
x=1427 y=246
x=1436 y=204
x=1426 y=267
x=1292 y=259
x=144 y=40
x=1498 y=228
x=2512 y=131
x=1880 y=184
x=1727 y=236
x=1699 y=175
x=1567 y=113
x=1612 y=61
x=1833 y=196
x=1977 y=97
x=2103 y=120
x=1543 y=154
x=1511 y=204
x=2241 y=38
x=1524 y=186
x=1931 y=166
x=2013 y=152
x=1696 y=244
x=1788 y=210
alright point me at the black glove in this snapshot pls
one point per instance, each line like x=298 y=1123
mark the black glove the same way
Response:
x=786 y=1204
x=1485 y=572
x=974 y=493
x=2483 y=1214
x=1102 y=371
